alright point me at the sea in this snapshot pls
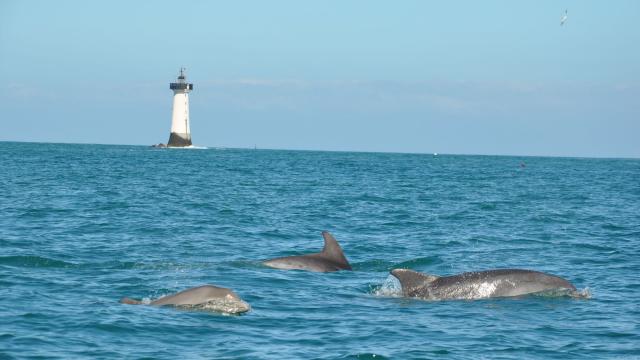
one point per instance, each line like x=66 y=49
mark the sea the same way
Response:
x=82 y=226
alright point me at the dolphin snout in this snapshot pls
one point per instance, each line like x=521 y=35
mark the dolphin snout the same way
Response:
x=243 y=306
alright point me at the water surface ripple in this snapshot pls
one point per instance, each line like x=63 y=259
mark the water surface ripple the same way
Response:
x=83 y=225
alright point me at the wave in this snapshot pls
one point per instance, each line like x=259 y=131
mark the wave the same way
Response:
x=364 y=356
x=34 y=262
x=419 y=262
x=373 y=265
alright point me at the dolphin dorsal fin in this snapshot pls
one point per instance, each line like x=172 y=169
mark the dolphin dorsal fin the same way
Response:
x=333 y=251
x=410 y=279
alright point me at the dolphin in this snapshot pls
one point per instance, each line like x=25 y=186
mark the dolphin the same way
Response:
x=206 y=297
x=331 y=258
x=478 y=284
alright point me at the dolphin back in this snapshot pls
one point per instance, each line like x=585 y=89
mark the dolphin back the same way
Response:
x=196 y=295
x=331 y=258
x=497 y=283
x=478 y=284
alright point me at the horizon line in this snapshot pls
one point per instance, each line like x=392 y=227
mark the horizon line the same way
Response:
x=435 y=153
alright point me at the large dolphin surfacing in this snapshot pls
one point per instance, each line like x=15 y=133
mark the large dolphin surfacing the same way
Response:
x=479 y=284
x=206 y=297
x=331 y=258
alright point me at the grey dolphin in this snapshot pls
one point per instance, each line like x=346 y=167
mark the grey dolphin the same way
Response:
x=206 y=297
x=478 y=285
x=331 y=258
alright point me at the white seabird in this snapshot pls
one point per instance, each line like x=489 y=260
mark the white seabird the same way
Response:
x=564 y=17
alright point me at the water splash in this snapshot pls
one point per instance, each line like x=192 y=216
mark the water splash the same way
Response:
x=226 y=307
x=391 y=287
x=146 y=301
x=558 y=293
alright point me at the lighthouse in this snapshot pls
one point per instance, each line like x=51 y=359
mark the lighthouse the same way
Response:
x=180 y=129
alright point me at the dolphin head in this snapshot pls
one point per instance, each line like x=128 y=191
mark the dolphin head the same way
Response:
x=236 y=303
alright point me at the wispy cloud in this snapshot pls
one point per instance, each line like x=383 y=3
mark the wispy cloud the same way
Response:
x=457 y=98
x=441 y=96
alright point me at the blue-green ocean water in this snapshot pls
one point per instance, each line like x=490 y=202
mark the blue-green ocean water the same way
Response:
x=83 y=225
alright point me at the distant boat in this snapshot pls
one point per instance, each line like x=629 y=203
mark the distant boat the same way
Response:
x=564 y=17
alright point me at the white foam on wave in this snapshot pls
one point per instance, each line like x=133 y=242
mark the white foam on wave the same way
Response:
x=582 y=294
x=191 y=147
x=146 y=301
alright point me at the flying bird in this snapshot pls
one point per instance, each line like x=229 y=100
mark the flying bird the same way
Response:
x=563 y=18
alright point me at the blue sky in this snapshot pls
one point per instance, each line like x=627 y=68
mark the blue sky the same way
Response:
x=466 y=77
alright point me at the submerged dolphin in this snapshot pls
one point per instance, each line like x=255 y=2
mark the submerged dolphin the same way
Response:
x=206 y=297
x=331 y=258
x=478 y=285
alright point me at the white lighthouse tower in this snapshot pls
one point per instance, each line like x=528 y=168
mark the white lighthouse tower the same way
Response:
x=180 y=129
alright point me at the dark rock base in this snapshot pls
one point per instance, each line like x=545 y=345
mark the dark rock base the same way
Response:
x=179 y=140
